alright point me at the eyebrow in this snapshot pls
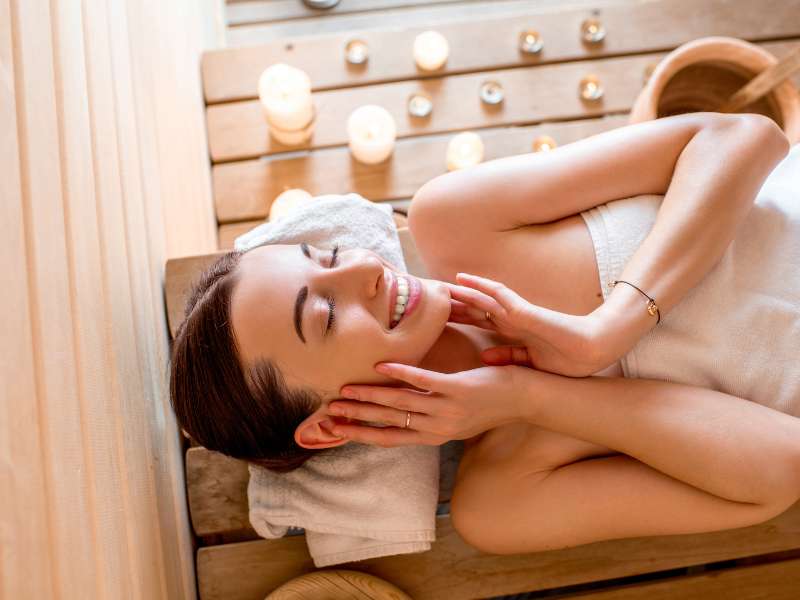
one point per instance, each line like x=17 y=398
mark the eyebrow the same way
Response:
x=300 y=301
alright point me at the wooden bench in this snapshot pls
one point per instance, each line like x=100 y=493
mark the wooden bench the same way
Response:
x=541 y=98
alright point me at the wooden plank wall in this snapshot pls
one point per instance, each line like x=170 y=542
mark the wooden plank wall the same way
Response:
x=101 y=147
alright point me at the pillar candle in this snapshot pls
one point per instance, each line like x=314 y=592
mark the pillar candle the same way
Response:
x=371 y=131
x=285 y=94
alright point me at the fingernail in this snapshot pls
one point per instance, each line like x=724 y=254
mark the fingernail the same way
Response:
x=335 y=410
x=349 y=393
x=381 y=368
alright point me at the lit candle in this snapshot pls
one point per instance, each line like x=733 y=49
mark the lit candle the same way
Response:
x=371 y=131
x=287 y=202
x=430 y=50
x=285 y=94
x=464 y=150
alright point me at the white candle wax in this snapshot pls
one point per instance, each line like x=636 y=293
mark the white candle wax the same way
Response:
x=430 y=50
x=285 y=94
x=288 y=201
x=464 y=150
x=371 y=131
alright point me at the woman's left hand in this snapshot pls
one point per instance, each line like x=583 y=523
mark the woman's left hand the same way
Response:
x=449 y=406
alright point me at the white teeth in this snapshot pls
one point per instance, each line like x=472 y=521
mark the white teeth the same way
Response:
x=402 y=299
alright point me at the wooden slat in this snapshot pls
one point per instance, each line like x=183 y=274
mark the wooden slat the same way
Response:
x=246 y=189
x=454 y=570
x=390 y=18
x=491 y=43
x=775 y=581
x=216 y=487
x=532 y=94
x=244 y=13
x=178 y=276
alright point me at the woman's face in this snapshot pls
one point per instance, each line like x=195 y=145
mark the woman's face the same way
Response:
x=280 y=311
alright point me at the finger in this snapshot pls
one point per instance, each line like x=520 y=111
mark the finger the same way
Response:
x=507 y=355
x=397 y=398
x=421 y=378
x=386 y=437
x=498 y=291
x=465 y=311
x=374 y=413
x=475 y=298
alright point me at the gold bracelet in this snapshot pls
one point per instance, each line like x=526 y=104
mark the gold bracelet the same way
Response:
x=652 y=307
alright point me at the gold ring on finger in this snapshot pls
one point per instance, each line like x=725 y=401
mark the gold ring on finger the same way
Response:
x=488 y=316
x=408 y=419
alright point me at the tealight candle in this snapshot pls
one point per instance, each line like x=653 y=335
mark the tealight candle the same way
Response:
x=285 y=94
x=288 y=201
x=430 y=50
x=371 y=131
x=464 y=150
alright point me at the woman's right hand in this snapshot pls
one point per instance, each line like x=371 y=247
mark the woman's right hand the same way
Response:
x=548 y=340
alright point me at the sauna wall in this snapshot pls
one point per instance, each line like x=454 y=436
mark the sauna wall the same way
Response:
x=103 y=176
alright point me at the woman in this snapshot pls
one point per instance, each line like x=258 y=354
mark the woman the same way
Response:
x=302 y=323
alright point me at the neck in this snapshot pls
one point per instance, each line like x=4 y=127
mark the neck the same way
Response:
x=458 y=349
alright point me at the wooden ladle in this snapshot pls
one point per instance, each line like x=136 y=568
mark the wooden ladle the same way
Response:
x=763 y=83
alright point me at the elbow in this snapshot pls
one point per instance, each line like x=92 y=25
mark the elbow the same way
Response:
x=765 y=135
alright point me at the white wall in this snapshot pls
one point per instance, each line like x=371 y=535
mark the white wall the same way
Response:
x=103 y=175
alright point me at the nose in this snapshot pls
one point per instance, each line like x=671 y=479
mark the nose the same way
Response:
x=357 y=269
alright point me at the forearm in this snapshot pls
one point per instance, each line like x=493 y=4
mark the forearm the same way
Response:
x=725 y=445
x=715 y=182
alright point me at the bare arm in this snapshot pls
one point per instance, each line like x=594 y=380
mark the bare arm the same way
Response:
x=693 y=460
x=708 y=166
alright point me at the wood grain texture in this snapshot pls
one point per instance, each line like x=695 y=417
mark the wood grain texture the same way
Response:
x=774 y=581
x=93 y=491
x=246 y=189
x=485 y=43
x=421 y=15
x=452 y=569
x=338 y=584
x=532 y=94
x=244 y=13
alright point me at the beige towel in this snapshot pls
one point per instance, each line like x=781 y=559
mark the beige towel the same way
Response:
x=354 y=501
x=738 y=330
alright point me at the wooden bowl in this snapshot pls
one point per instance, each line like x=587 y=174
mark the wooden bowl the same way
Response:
x=703 y=74
x=337 y=584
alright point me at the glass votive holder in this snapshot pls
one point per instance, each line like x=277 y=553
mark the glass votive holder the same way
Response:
x=419 y=104
x=356 y=52
x=491 y=92
x=590 y=88
x=544 y=143
x=592 y=31
x=530 y=41
x=464 y=150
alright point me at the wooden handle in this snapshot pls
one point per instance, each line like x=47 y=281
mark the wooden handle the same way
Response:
x=763 y=83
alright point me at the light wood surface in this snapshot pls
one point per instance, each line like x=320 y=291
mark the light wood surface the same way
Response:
x=532 y=94
x=774 y=581
x=420 y=15
x=454 y=570
x=244 y=190
x=243 y=13
x=482 y=44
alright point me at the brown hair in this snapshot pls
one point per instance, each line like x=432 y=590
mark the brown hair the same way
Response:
x=249 y=414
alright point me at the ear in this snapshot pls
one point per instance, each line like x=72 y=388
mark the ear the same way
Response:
x=314 y=433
